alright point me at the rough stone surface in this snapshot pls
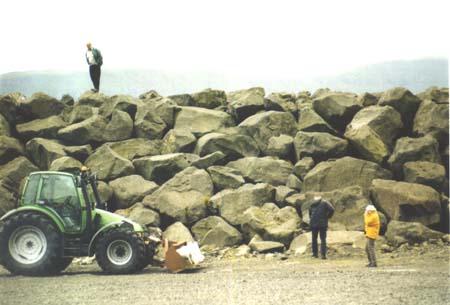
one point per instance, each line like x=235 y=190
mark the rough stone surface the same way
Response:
x=66 y=164
x=178 y=232
x=432 y=119
x=407 y=201
x=426 y=173
x=337 y=108
x=225 y=177
x=310 y=121
x=41 y=128
x=10 y=148
x=319 y=145
x=178 y=140
x=41 y=105
x=183 y=198
x=281 y=101
x=43 y=152
x=341 y=173
x=209 y=98
x=92 y=99
x=268 y=169
x=245 y=103
x=281 y=147
x=215 y=231
x=400 y=232
x=303 y=166
x=402 y=100
x=108 y=165
x=84 y=132
x=148 y=125
x=130 y=190
x=136 y=148
x=12 y=173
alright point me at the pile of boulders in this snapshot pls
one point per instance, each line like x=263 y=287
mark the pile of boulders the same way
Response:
x=242 y=168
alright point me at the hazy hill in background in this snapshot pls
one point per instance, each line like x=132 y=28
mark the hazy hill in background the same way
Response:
x=416 y=75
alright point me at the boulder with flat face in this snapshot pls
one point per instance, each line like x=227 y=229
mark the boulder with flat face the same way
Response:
x=178 y=232
x=435 y=94
x=118 y=128
x=225 y=177
x=10 y=148
x=43 y=152
x=93 y=99
x=303 y=166
x=373 y=130
x=148 y=125
x=231 y=204
x=330 y=175
x=178 y=141
x=214 y=231
x=432 y=119
x=405 y=201
x=267 y=169
x=183 y=198
x=108 y=165
x=7 y=199
x=66 y=164
x=303 y=242
x=201 y=121
x=120 y=102
x=271 y=223
x=400 y=232
x=310 y=121
x=163 y=167
x=281 y=146
x=41 y=128
x=79 y=113
x=209 y=98
x=141 y=214
x=337 y=108
x=245 y=103
x=9 y=106
x=414 y=149
x=5 y=129
x=41 y=105
x=320 y=146
x=163 y=107
x=12 y=173
x=129 y=190
x=426 y=173
x=84 y=132
x=262 y=126
x=402 y=100
x=234 y=146
x=136 y=148
x=281 y=101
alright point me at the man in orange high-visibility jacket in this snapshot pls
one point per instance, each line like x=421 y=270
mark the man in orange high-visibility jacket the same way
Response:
x=372 y=228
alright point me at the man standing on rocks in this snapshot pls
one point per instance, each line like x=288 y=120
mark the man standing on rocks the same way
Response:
x=95 y=60
x=319 y=213
x=372 y=229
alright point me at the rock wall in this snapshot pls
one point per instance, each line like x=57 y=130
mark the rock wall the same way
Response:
x=228 y=168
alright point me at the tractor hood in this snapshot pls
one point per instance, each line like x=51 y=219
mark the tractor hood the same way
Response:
x=108 y=218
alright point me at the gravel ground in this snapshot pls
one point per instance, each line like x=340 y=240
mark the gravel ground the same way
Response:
x=405 y=278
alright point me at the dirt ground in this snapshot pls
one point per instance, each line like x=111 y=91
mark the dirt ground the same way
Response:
x=409 y=277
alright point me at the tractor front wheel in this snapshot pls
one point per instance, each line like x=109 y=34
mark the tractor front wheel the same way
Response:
x=29 y=244
x=120 y=251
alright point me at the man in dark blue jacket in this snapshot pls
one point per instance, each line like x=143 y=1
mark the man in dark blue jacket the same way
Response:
x=319 y=213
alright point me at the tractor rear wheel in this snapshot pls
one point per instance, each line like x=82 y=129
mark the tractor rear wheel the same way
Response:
x=120 y=251
x=29 y=244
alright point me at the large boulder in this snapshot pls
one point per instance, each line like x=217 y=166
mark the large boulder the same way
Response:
x=148 y=124
x=163 y=167
x=432 y=119
x=225 y=177
x=319 y=145
x=267 y=169
x=120 y=102
x=10 y=148
x=281 y=101
x=9 y=106
x=414 y=149
x=141 y=214
x=271 y=223
x=79 y=113
x=216 y=158
x=130 y=190
x=178 y=141
x=43 y=152
x=303 y=166
x=336 y=108
x=330 y=175
x=183 y=198
x=303 y=242
x=407 y=201
x=263 y=126
x=7 y=199
x=41 y=128
x=108 y=165
x=118 y=128
x=234 y=146
x=84 y=132
x=349 y=204
x=435 y=94
x=162 y=107
x=214 y=231
x=66 y=164
x=281 y=146
x=93 y=99
x=201 y=121
x=209 y=98
x=426 y=173
x=261 y=246
x=177 y=232
x=310 y=121
x=245 y=103
x=12 y=173
x=373 y=130
x=182 y=99
x=79 y=152
x=5 y=129
x=136 y=148
x=403 y=101
x=231 y=204
x=400 y=232
x=41 y=105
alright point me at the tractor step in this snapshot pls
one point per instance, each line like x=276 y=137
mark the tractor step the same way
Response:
x=73 y=247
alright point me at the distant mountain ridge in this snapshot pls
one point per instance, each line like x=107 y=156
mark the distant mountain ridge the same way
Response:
x=416 y=75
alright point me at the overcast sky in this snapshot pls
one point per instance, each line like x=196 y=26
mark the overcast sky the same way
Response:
x=272 y=38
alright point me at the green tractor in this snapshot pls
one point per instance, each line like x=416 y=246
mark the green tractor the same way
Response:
x=60 y=216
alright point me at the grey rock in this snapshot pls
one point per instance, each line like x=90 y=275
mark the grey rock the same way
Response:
x=108 y=164
x=142 y=215
x=432 y=119
x=281 y=146
x=403 y=101
x=214 y=231
x=216 y=158
x=43 y=152
x=330 y=175
x=163 y=167
x=225 y=177
x=366 y=99
x=177 y=232
x=84 y=132
x=12 y=173
x=92 y=99
x=435 y=94
x=426 y=173
x=303 y=166
x=79 y=113
x=183 y=99
x=5 y=129
x=7 y=199
x=407 y=201
x=41 y=105
x=136 y=148
x=9 y=106
x=245 y=103
x=119 y=127
x=178 y=140
x=120 y=102
x=129 y=190
x=400 y=232
x=66 y=164
x=209 y=98
x=310 y=121
x=41 y=128
x=183 y=198
x=281 y=101
x=10 y=148
x=294 y=182
x=162 y=107
x=266 y=246
x=281 y=193
x=303 y=242
x=268 y=169
x=319 y=145
x=148 y=125
x=79 y=152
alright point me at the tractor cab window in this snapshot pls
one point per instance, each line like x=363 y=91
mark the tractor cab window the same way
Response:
x=59 y=193
x=29 y=196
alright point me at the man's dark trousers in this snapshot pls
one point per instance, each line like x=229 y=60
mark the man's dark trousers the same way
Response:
x=95 y=72
x=323 y=241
